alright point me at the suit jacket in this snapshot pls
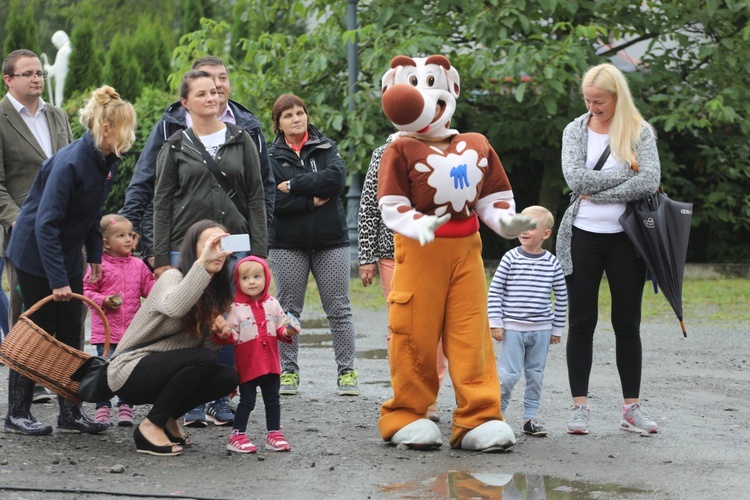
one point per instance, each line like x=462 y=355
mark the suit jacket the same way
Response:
x=21 y=155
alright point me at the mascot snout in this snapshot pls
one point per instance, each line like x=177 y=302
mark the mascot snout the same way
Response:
x=404 y=105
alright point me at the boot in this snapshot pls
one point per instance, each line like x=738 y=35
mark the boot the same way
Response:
x=73 y=419
x=19 y=418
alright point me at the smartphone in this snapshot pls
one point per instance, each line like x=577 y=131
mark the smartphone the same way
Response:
x=235 y=243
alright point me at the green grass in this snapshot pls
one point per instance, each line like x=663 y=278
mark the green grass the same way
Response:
x=723 y=300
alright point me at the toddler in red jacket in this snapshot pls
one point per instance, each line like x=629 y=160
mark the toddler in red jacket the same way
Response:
x=125 y=279
x=257 y=322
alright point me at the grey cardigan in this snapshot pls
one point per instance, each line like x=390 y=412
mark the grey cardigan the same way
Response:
x=161 y=314
x=613 y=186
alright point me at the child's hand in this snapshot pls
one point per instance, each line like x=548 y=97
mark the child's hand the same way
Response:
x=498 y=334
x=221 y=327
x=290 y=331
x=112 y=301
x=554 y=339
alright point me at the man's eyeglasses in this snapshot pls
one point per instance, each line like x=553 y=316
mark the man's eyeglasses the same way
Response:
x=30 y=74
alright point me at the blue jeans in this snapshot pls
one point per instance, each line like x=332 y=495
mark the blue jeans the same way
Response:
x=525 y=351
x=3 y=305
x=226 y=353
x=100 y=352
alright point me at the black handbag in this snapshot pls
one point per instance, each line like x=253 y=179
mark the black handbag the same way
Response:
x=92 y=380
x=92 y=374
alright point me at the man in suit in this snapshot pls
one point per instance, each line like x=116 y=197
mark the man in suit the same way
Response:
x=30 y=132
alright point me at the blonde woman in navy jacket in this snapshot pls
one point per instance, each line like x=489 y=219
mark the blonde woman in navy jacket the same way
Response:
x=61 y=214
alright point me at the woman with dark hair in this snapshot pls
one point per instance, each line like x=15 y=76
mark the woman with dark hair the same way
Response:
x=309 y=234
x=178 y=368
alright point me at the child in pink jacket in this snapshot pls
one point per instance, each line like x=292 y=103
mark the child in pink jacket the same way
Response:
x=125 y=279
x=257 y=322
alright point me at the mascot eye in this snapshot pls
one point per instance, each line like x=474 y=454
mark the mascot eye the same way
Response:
x=413 y=80
x=430 y=81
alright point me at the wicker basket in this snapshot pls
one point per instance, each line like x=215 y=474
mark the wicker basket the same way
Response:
x=31 y=351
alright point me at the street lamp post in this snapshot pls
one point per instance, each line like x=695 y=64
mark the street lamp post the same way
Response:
x=354 y=193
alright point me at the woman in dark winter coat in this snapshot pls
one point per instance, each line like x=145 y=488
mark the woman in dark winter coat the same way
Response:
x=61 y=214
x=309 y=234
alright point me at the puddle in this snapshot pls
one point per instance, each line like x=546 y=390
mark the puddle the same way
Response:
x=464 y=485
x=314 y=323
x=372 y=354
x=315 y=340
x=384 y=383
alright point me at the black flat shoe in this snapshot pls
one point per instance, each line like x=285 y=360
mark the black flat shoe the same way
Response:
x=183 y=440
x=143 y=445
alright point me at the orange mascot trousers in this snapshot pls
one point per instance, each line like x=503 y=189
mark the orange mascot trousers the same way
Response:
x=439 y=290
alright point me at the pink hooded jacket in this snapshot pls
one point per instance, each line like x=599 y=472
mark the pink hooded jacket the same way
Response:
x=128 y=276
x=259 y=325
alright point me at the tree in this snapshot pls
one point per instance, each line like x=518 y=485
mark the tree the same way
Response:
x=21 y=29
x=122 y=70
x=153 y=51
x=86 y=60
x=192 y=12
x=520 y=64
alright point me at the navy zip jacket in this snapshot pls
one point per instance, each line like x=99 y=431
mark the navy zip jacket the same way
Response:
x=62 y=213
x=140 y=192
x=318 y=172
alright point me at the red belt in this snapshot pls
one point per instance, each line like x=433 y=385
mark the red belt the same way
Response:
x=459 y=228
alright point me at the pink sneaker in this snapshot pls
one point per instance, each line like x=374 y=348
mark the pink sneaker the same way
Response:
x=102 y=414
x=125 y=415
x=276 y=442
x=241 y=444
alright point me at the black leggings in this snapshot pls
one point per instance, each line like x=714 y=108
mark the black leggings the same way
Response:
x=61 y=319
x=175 y=382
x=269 y=384
x=593 y=254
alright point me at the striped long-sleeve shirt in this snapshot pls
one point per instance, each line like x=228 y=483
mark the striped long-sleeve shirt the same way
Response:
x=520 y=293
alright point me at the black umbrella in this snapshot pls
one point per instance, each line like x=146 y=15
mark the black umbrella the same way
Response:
x=659 y=228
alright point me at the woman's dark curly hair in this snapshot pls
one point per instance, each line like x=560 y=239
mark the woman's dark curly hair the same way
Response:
x=217 y=296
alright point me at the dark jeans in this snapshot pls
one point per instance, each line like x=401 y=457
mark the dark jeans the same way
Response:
x=594 y=254
x=269 y=387
x=61 y=319
x=177 y=381
x=100 y=352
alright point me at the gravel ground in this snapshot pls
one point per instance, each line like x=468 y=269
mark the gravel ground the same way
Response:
x=697 y=389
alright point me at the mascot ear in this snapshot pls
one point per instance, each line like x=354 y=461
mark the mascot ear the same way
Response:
x=454 y=82
x=390 y=75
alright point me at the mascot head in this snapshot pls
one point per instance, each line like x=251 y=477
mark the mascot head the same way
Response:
x=419 y=95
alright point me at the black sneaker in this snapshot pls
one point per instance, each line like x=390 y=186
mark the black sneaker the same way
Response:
x=41 y=395
x=533 y=427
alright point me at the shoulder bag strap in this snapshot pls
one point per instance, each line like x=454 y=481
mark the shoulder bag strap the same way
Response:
x=217 y=173
x=602 y=159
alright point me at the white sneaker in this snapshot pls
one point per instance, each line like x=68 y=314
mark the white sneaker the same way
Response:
x=634 y=419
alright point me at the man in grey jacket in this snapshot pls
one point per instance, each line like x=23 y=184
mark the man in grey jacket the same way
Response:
x=31 y=131
x=140 y=192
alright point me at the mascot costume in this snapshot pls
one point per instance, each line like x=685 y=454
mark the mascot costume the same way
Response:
x=434 y=183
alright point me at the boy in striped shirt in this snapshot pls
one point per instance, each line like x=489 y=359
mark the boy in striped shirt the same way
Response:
x=523 y=316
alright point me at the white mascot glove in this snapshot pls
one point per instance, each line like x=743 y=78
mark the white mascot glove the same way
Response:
x=514 y=225
x=427 y=226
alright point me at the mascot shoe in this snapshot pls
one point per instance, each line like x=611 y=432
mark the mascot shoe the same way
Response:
x=421 y=434
x=491 y=436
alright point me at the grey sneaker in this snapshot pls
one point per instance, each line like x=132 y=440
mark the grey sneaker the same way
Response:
x=634 y=419
x=578 y=423
x=289 y=383
x=348 y=385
